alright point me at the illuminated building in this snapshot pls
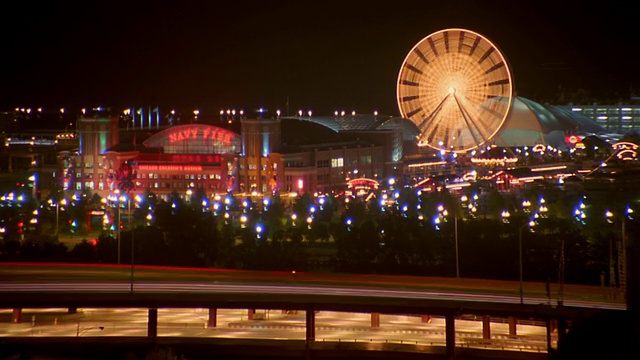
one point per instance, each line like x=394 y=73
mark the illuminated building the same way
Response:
x=260 y=166
x=620 y=118
x=86 y=169
x=179 y=158
x=270 y=154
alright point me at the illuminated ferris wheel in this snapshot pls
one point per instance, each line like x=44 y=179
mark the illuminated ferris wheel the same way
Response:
x=456 y=86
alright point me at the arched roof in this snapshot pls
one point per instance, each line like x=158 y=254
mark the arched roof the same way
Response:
x=362 y=122
x=530 y=123
x=409 y=129
x=196 y=139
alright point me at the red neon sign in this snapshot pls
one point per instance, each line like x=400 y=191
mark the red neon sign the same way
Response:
x=363 y=183
x=199 y=132
x=190 y=168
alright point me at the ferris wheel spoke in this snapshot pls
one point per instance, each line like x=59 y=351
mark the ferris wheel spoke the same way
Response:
x=415 y=69
x=422 y=57
x=499 y=82
x=475 y=45
x=471 y=124
x=495 y=67
x=413 y=112
x=486 y=55
x=431 y=133
x=433 y=114
x=432 y=44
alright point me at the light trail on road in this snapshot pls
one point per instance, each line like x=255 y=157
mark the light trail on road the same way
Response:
x=280 y=289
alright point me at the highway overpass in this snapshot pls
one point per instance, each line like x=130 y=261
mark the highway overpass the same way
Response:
x=153 y=288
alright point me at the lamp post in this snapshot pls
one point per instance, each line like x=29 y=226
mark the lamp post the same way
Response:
x=62 y=202
x=57 y=216
x=612 y=273
x=520 y=262
x=505 y=218
x=455 y=225
x=132 y=236
x=623 y=262
x=115 y=199
x=118 y=226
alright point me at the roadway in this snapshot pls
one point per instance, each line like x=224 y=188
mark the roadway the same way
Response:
x=106 y=297
x=271 y=324
x=26 y=278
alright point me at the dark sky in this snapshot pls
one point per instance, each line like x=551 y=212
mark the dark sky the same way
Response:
x=321 y=55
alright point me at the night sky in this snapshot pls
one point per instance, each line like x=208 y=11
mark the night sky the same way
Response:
x=321 y=55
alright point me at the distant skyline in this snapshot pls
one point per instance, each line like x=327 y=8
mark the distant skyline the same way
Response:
x=320 y=56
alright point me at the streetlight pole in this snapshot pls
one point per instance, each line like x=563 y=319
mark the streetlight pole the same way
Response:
x=132 y=237
x=118 y=226
x=505 y=217
x=60 y=202
x=455 y=222
x=57 y=216
x=520 y=261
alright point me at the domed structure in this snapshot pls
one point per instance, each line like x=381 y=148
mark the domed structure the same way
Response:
x=530 y=123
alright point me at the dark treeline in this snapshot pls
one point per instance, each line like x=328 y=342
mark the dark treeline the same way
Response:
x=411 y=236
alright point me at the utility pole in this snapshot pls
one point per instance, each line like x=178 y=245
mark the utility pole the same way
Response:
x=622 y=256
x=561 y=275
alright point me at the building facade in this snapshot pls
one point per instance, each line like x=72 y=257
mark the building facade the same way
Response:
x=619 y=118
x=183 y=158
